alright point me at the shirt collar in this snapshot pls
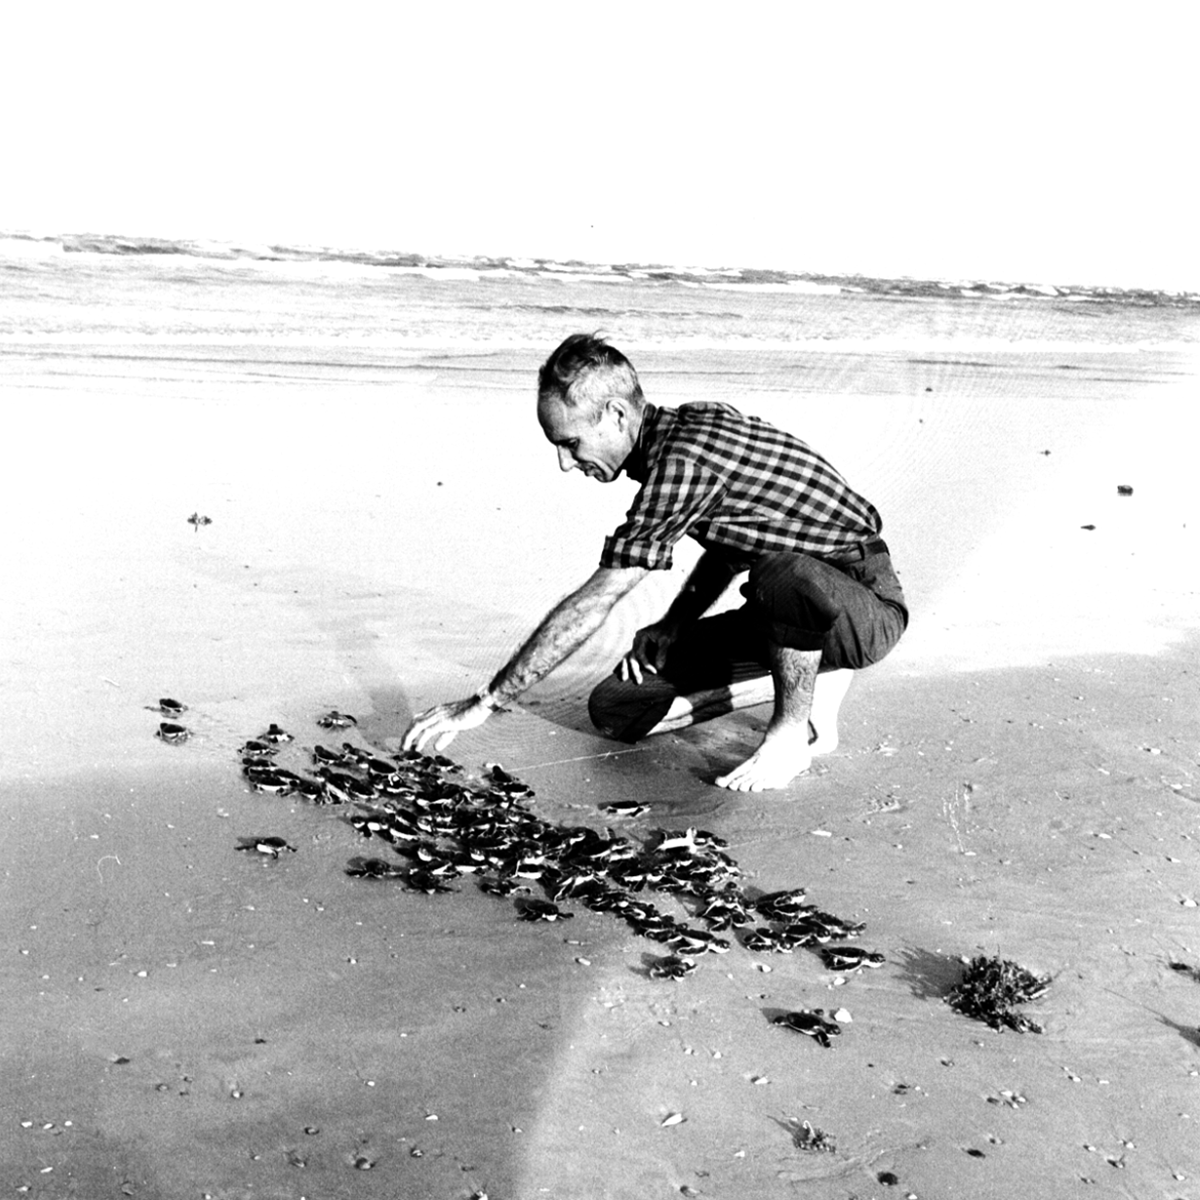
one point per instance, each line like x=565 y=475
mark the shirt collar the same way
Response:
x=655 y=423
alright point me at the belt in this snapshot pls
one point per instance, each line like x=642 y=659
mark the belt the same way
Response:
x=861 y=551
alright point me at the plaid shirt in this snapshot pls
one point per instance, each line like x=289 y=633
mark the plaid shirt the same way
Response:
x=738 y=486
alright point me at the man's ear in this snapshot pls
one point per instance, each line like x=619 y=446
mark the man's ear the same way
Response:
x=620 y=412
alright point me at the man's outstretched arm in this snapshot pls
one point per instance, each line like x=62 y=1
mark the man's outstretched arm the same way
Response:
x=564 y=629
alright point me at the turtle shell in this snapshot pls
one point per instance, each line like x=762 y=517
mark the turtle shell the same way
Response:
x=272 y=847
x=811 y=1022
x=540 y=910
x=673 y=966
x=372 y=868
x=850 y=958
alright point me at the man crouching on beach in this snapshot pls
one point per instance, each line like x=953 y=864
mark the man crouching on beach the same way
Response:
x=822 y=599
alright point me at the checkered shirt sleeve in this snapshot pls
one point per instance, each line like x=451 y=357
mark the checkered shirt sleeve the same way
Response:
x=678 y=493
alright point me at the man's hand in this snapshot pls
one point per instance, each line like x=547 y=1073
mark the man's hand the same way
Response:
x=649 y=653
x=441 y=724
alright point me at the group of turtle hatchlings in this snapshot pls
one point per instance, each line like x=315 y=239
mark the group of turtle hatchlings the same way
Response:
x=442 y=826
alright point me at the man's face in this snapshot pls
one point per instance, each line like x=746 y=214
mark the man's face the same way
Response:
x=597 y=448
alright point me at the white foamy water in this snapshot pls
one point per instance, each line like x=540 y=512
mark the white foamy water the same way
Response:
x=113 y=291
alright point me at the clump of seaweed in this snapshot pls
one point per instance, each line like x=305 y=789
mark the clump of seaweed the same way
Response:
x=809 y=1138
x=991 y=987
x=806 y=1136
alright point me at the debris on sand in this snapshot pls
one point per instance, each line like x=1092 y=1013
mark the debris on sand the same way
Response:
x=806 y=1136
x=989 y=989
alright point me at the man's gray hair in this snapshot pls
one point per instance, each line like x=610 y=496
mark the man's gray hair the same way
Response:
x=585 y=371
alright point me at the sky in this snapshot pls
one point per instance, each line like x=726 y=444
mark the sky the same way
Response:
x=1048 y=142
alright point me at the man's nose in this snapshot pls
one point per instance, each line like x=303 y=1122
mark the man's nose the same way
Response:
x=566 y=460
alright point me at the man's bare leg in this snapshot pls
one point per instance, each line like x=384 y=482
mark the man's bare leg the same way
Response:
x=828 y=693
x=693 y=708
x=785 y=751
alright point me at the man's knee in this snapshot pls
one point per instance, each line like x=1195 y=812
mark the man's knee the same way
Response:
x=790 y=594
x=627 y=712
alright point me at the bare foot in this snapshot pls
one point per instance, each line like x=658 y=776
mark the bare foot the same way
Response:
x=782 y=756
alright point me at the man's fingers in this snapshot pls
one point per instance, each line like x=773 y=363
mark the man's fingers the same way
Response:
x=629 y=670
x=420 y=729
x=438 y=726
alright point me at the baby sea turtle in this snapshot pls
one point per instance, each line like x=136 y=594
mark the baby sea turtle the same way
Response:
x=336 y=720
x=327 y=757
x=683 y=841
x=625 y=808
x=168 y=707
x=196 y=520
x=380 y=769
x=783 y=906
x=672 y=967
x=355 y=756
x=838 y=926
x=505 y=782
x=540 y=910
x=850 y=958
x=168 y=731
x=269 y=779
x=499 y=885
x=767 y=941
x=345 y=788
x=275 y=736
x=723 y=912
x=373 y=868
x=819 y=928
x=271 y=847
x=310 y=789
x=811 y=1022
x=426 y=882
x=694 y=941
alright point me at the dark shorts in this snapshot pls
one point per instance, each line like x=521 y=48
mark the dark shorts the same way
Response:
x=853 y=612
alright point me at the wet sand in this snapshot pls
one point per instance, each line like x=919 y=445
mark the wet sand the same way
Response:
x=1019 y=778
